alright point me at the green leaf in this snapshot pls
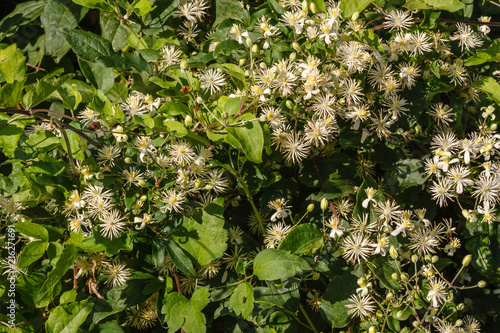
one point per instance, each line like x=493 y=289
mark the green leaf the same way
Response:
x=186 y=314
x=349 y=7
x=68 y=296
x=179 y=258
x=33 y=230
x=285 y=295
x=273 y=264
x=405 y=174
x=114 y=31
x=74 y=142
x=23 y=14
x=304 y=239
x=70 y=95
x=65 y=261
x=367 y=36
x=242 y=300
x=12 y=64
x=320 y=4
x=490 y=54
x=485 y=253
x=99 y=76
x=383 y=268
x=275 y=6
x=203 y=235
x=43 y=89
x=87 y=45
x=234 y=70
x=249 y=138
x=10 y=133
x=142 y=7
x=68 y=318
x=228 y=9
x=449 y=5
x=176 y=127
x=11 y=94
x=57 y=15
x=95 y=4
x=489 y=86
x=333 y=304
x=31 y=252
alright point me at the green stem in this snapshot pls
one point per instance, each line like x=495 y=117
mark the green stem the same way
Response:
x=249 y=197
x=308 y=319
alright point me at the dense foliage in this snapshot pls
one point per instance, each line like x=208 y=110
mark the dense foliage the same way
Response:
x=262 y=166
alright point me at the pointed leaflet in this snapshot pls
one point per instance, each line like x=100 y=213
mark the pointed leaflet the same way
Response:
x=273 y=264
x=249 y=137
x=303 y=239
x=203 y=235
x=68 y=318
x=87 y=45
x=179 y=258
x=242 y=300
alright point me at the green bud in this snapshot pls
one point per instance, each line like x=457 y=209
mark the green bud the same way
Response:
x=414 y=258
x=289 y=104
x=460 y=307
x=465 y=213
x=224 y=115
x=355 y=16
x=459 y=323
x=99 y=175
x=379 y=314
x=128 y=160
x=296 y=47
x=393 y=252
x=416 y=324
x=466 y=260
x=263 y=118
x=434 y=259
x=400 y=314
x=324 y=204
x=293 y=56
x=184 y=64
x=394 y=276
x=143 y=197
x=313 y=8
x=404 y=276
x=188 y=121
x=481 y=284
x=242 y=61
x=310 y=208
x=247 y=73
x=316 y=276
x=389 y=296
x=493 y=127
x=255 y=48
x=372 y=329
x=305 y=6
x=249 y=42
x=142 y=183
x=428 y=258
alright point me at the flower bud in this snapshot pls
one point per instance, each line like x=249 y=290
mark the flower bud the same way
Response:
x=466 y=260
x=493 y=127
x=188 y=121
x=465 y=213
x=393 y=252
x=310 y=208
x=143 y=197
x=263 y=118
x=414 y=258
x=481 y=284
x=313 y=8
x=305 y=6
x=324 y=204
x=459 y=323
x=224 y=115
x=416 y=324
x=255 y=48
x=427 y=258
x=296 y=47
x=434 y=259
x=249 y=42
x=289 y=104
x=372 y=329
x=99 y=175
x=293 y=56
x=355 y=16
x=389 y=296
x=394 y=276
x=199 y=100
x=460 y=307
x=128 y=160
x=399 y=314
x=184 y=64
x=142 y=183
x=242 y=62
x=316 y=276
x=247 y=73
x=404 y=276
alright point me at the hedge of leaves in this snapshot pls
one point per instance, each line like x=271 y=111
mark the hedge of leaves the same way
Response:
x=262 y=166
